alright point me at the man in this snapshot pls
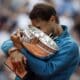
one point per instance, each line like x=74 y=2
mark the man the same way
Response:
x=55 y=67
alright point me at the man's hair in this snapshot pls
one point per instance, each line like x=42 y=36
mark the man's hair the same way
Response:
x=44 y=12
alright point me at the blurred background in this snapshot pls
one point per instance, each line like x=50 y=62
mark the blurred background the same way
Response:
x=14 y=14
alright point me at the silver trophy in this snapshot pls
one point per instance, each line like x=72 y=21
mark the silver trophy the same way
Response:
x=46 y=43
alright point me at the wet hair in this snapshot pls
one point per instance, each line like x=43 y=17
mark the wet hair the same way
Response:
x=44 y=12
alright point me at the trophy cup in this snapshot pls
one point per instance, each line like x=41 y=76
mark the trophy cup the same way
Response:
x=45 y=45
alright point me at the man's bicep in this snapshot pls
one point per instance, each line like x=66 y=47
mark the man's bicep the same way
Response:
x=6 y=46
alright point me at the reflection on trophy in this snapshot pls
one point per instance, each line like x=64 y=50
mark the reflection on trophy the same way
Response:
x=16 y=62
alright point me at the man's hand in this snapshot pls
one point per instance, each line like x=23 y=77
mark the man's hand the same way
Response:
x=16 y=39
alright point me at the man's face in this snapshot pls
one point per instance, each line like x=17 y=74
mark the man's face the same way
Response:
x=44 y=26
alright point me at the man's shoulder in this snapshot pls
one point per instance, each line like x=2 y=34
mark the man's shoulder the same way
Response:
x=69 y=44
x=68 y=41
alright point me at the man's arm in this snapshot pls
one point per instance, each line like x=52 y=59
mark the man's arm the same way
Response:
x=6 y=46
x=66 y=56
